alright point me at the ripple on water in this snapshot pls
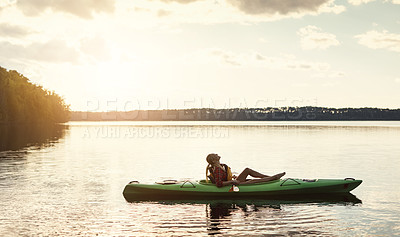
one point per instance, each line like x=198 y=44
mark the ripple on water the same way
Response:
x=231 y=219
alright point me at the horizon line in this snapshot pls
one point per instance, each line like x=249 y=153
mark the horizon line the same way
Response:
x=382 y=108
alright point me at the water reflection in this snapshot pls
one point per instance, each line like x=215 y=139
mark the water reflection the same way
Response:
x=284 y=216
x=17 y=136
x=271 y=214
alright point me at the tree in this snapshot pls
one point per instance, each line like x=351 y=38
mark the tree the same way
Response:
x=23 y=101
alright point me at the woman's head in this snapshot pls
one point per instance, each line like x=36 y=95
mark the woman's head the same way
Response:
x=213 y=159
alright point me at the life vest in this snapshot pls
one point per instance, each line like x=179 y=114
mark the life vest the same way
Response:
x=210 y=175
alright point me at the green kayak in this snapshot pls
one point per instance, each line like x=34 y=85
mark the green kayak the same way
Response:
x=171 y=189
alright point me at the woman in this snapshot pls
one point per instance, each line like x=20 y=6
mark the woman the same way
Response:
x=219 y=174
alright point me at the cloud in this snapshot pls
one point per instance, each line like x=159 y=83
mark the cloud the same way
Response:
x=312 y=37
x=225 y=11
x=255 y=59
x=162 y=13
x=359 y=2
x=179 y=1
x=243 y=11
x=80 y=8
x=262 y=40
x=54 y=51
x=96 y=47
x=226 y=57
x=9 y=30
x=380 y=40
x=281 y=7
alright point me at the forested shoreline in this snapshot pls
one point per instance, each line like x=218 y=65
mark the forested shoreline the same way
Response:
x=22 y=101
x=308 y=113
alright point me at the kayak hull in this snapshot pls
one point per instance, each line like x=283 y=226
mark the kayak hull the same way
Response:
x=204 y=190
x=274 y=201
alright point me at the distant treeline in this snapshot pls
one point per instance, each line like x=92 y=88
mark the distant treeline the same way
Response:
x=243 y=114
x=23 y=101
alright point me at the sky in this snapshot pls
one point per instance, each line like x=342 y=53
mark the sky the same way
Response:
x=104 y=55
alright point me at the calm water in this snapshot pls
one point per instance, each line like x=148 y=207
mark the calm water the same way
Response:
x=72 y=182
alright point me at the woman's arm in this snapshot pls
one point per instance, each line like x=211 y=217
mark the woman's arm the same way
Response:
x=230 y=182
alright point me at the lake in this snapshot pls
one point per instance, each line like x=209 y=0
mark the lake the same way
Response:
x=71 y=183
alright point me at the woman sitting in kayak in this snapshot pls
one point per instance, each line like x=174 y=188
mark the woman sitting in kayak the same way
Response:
x=220 y=172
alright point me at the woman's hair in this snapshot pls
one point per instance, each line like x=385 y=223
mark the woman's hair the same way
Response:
x=209 y=169
x=210 y=158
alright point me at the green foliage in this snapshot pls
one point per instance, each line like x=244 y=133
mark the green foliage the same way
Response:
x=23 y=101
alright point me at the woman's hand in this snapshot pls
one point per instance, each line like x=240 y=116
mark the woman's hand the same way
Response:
x=235 y=182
